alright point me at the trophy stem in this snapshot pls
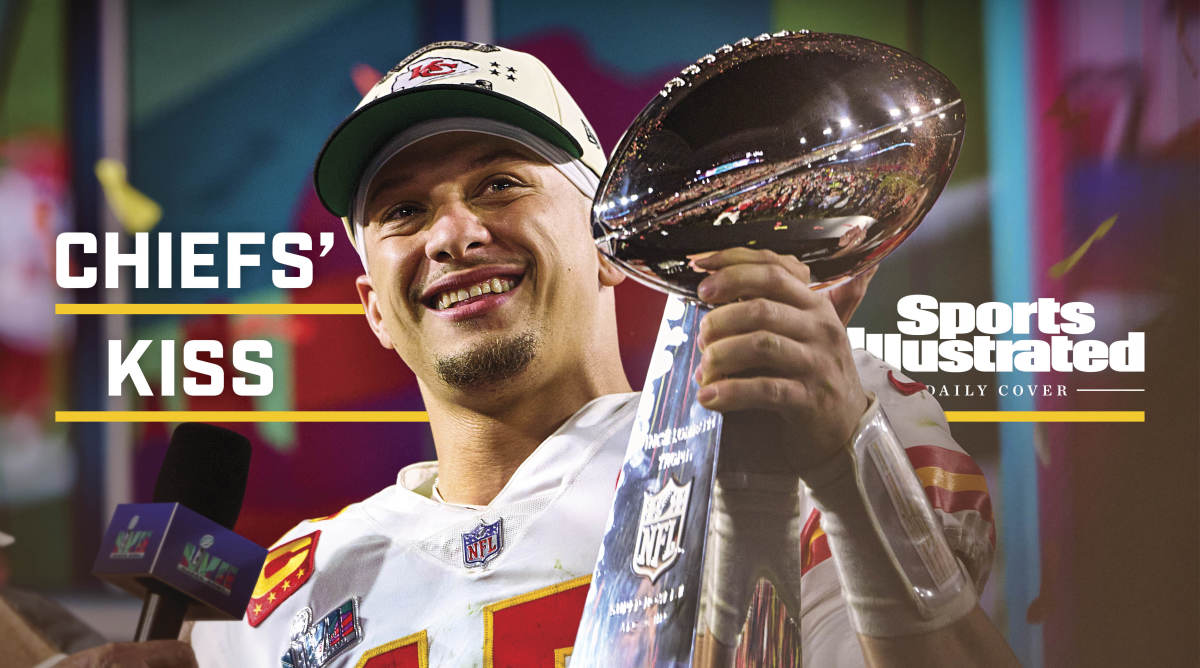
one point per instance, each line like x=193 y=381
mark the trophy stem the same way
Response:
x=688 y=540
x=644 y=600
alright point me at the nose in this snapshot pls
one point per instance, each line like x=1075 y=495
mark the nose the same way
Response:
x=454 y=232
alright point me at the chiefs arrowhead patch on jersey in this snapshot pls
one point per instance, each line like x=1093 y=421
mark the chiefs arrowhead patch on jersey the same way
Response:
x=286 y=569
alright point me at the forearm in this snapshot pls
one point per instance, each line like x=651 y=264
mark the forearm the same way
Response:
x=909 y=599
x=971 y=640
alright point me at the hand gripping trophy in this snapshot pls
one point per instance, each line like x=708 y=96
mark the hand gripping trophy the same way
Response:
x=830 y=148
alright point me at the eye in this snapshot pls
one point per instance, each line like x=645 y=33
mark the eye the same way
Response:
x=399 y=213
x=499 y=184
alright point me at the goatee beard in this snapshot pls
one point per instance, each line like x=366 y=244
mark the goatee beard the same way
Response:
x=490 y=362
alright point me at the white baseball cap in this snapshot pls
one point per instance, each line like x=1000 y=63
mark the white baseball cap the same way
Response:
x=451 y=80
x=6 y=539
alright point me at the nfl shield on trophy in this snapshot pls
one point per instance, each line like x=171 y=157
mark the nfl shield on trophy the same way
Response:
x=830 y=148
x=660 y=526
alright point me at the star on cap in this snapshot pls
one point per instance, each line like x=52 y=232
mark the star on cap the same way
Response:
x=495 y=71
x=512 y=69
x=495 y=64
x=511 y=78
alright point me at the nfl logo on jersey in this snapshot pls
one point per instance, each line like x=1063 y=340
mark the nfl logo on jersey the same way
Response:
x=483 y=543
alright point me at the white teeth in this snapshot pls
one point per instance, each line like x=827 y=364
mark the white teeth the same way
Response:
x=490 y=286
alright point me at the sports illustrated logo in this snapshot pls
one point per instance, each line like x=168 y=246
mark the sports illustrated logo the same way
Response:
x=660 y=529
x=483 y=544
x=999 y=337
x=316 y=645
x=426 y=69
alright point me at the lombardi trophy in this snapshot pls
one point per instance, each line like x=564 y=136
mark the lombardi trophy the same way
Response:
x=831 y=148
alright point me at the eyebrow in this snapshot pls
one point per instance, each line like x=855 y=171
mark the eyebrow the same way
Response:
x=481 y=161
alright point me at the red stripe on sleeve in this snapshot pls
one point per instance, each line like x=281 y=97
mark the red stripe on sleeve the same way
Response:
x=812 y=552
x=815 y=553
x=810 y=526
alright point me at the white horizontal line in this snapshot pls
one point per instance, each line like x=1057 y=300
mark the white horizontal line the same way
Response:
x=1113 y=389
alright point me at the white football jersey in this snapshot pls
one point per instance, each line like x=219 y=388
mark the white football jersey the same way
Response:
x=403 y=580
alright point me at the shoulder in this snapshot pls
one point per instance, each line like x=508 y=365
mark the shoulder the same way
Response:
x=301 y=554
x=295 y=566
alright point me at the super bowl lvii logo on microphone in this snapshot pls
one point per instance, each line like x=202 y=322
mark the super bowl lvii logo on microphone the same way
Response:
x=207 y=567
x=130 y=543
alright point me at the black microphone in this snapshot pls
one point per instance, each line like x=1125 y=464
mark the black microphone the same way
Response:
x=205 y=470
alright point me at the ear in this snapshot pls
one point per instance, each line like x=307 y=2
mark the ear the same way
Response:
x=370 y=302
x=610 y=274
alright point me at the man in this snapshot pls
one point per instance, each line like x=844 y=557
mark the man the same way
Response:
x=465 y=179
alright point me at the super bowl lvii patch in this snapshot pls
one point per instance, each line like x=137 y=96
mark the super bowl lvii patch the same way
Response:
x=316 y=645
x=483 y=543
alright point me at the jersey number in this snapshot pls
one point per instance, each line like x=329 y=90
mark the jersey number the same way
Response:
x=534 y=629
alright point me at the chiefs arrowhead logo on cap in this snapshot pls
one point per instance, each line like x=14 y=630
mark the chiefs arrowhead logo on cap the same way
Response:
x=425 y=70
x=286 y=569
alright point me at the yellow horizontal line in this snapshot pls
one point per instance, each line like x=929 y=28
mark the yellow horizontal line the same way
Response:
x=208 y=309
x=241 y=416
x=1046 y=416
x=422 y=416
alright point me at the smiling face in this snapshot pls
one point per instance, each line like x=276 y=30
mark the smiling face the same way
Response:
x=481 y=265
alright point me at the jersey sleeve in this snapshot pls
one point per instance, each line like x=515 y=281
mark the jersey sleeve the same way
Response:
x=214 y=645
x=953 y=482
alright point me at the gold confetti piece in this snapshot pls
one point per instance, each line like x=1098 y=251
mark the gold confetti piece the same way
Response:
x=1062 y=267
x=135 y=211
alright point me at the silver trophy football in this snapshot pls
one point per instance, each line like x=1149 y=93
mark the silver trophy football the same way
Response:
x=831 y=148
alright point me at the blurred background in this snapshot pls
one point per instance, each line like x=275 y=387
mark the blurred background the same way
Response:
x=1083 y=132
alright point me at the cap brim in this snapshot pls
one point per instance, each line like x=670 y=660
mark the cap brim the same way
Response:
x=352 y=145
